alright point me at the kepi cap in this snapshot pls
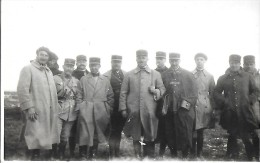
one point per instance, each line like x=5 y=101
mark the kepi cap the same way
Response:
x=69 y=61
x=201 y=55
x=234 y=58
x=116 y=58
x=141 y=52
x=81 y=58
x=94 y=60
x=52 y=56
x=160 y=54
x=174 y=56
x=249 y=59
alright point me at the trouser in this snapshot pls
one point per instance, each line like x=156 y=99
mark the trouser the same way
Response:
x=255 y=138
x=197 y=143
x=232 y=146
x=72 y=139
x=117 y=124
x=64 y=129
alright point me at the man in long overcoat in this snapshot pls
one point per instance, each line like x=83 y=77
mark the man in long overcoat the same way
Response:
x=237 y=116
x=81 y=70
x=179 y=103
x=161 y=136
x=205 y=102
x=116 y=77
x=141 y=88
x=249 y=66
x=38 y=99
x=95 y=103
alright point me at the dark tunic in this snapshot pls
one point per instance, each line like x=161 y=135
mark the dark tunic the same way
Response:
x=239 y=92
x=179 y=122
x=161 y=125
x=78 y=73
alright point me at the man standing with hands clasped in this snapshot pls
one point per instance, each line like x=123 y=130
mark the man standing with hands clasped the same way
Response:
x=140 y=90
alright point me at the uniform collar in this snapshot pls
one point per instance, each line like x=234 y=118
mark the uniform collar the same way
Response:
x=89 y=75
x=229 y=72
x=196 y=71
x=178 y=70
x=40 y=67
x=147 y=69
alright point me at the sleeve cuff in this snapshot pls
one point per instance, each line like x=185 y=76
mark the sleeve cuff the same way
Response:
x=26 y=105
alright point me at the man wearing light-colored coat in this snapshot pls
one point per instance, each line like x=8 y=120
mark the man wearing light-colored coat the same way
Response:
x=137 y=99
x=38 y=99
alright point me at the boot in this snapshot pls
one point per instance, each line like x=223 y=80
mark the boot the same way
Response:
x=162 y=149
x=35 y=155
x=146 y=149
x=93 y=152
x=83 y=153
x=137 y=149
x=173 y=152
x=111 y=152
x=194 y=148
x=117 y=149
x=200 y=144
x=72 y=145
x=151 y=149
x=62 y=147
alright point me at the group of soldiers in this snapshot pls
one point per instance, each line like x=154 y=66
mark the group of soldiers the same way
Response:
x=169 y=106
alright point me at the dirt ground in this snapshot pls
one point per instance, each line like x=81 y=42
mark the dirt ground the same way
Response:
x=214 y=148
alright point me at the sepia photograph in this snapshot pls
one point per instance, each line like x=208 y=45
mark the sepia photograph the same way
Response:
x=140 y=80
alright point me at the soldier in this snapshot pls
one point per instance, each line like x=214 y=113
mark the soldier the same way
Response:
x=140 y=90
x=81 y=67
x=66 y=86
x=95 y=102
x=116 y=76
x=179 y=103
x=81 y=61
x=237 y=116
x=160 y=62
x=249 y=66
x=205 y=103
x=52 y=63
x=38 y=99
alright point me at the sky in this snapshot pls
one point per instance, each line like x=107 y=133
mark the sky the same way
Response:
x=102 y=28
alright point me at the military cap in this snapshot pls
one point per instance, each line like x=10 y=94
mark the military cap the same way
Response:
x=201 y=55
x=141 y=52
x=42 y=49
x=52 y=56
x=174 y=56
x=234 y=58
x=94 y=60
x=69 y=61
x=249 y=59
x=160 y=54
x=81 y=58
x=116 y=58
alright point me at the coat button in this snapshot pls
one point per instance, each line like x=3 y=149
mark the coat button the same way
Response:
x=234 y=79
x=235 y=92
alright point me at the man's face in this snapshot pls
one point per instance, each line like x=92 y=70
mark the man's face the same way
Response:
x=94 y=68
x=160 y=62
x=42 y=57
x=142 y=61
x=81 y=64
x=116 y=65
x=200 y=61
x=175 y=63
x=249 y=67
x=68 y=69
x=234 y=66
x=52 y=63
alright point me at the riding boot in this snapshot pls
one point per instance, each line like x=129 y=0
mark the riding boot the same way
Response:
x=35 y=155
x=72 y=146
x=62 y=147
x=137 y=149
x=83 y=152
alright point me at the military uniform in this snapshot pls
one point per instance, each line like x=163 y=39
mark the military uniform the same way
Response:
x=249 y=59
x=237 y=116
x=55 y=69
x=117 y=121
x=161 y=135
x=179 y=103
x=67 y=91
x=77 y=74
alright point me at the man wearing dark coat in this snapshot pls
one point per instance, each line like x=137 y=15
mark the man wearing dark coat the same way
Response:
x=81 y=62
x=237 y=116
x=52 y=63
x=178 y=108
x=160 y=62
x=249 y=66
x=115 y=76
